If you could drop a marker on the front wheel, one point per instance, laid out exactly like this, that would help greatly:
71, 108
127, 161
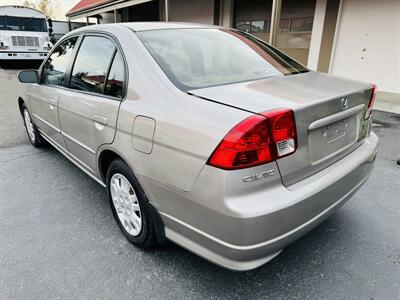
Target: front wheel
33, 134
130, 205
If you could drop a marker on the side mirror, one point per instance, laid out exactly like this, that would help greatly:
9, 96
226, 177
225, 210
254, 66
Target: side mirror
50, 30
28, 76
50, 22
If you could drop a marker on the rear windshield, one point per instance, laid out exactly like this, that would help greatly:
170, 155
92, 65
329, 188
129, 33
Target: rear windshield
199, 58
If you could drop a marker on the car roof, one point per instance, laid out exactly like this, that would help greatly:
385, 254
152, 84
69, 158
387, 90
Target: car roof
143, 26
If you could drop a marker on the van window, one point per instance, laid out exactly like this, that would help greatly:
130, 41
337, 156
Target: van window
23, 24
115, 81
3, 23
55, 68
91, 64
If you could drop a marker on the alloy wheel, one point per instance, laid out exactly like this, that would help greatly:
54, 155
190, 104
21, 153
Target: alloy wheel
29, 126
126, 204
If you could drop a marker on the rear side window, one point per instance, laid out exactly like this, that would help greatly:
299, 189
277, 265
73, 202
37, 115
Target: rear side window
55, 68
91, 65
115, 81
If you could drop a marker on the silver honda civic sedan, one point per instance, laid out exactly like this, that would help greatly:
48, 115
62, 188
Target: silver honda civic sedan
202, 135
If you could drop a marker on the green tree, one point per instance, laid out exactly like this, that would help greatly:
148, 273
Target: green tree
29, 4
45, 6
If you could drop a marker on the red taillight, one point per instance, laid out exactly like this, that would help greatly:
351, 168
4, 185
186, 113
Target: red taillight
257, 140
283, 131
371, 101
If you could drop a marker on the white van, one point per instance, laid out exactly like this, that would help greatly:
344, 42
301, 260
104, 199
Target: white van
23, 34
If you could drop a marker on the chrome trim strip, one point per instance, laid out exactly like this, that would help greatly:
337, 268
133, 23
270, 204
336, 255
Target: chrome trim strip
82, 163
71, 158
274, 240
47, 123
77, 142
336, 117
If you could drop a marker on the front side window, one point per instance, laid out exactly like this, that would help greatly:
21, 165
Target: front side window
198, 58
55, 68
115, 81
91, 64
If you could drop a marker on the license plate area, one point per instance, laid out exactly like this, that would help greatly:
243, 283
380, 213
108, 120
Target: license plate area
329, 140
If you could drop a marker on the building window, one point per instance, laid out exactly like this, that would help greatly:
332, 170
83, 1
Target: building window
295, 24
295, 28
301, 24
284, 25
253, 26
259, 26
244, 26
253, 17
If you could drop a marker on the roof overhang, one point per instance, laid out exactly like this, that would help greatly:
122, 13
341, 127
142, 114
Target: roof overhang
103, 8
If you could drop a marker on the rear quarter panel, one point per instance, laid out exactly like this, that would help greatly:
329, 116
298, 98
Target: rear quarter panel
187, 129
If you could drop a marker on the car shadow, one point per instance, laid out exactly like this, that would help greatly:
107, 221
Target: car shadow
308, 257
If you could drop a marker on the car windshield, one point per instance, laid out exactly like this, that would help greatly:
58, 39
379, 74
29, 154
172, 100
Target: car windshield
22, 24
199, 58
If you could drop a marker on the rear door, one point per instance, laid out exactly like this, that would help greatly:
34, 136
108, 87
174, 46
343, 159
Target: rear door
44, 96
88, 109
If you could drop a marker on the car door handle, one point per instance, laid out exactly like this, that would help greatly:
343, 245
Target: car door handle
52, 103
99, 122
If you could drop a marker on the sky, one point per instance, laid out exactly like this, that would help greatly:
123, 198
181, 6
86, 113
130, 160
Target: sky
60, 6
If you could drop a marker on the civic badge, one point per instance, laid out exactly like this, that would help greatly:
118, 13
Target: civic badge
259, 176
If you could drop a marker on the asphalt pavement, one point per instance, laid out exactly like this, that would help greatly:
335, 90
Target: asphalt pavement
58, 238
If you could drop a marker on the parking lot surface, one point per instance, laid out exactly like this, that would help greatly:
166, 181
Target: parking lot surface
58, 238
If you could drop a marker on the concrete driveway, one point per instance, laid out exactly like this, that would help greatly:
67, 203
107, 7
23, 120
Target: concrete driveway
58, 238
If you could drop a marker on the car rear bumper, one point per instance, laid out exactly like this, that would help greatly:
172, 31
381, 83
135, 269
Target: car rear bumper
248, 230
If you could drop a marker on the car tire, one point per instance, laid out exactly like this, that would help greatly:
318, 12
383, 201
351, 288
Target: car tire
33, 134
126, 196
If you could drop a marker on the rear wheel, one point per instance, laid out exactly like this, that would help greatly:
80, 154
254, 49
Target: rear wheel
33, 134
130, 205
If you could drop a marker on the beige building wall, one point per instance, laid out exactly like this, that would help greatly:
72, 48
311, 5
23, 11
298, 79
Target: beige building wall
328, 36
226, 17
195, 11
316, 34
367, 43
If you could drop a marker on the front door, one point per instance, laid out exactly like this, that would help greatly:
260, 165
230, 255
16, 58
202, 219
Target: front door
45, 95
88, 109
44, 100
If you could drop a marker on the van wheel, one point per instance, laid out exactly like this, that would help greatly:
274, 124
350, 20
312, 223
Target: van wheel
33, 134
130, 205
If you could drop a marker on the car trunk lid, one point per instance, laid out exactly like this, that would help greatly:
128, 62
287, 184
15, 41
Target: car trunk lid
329, 113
